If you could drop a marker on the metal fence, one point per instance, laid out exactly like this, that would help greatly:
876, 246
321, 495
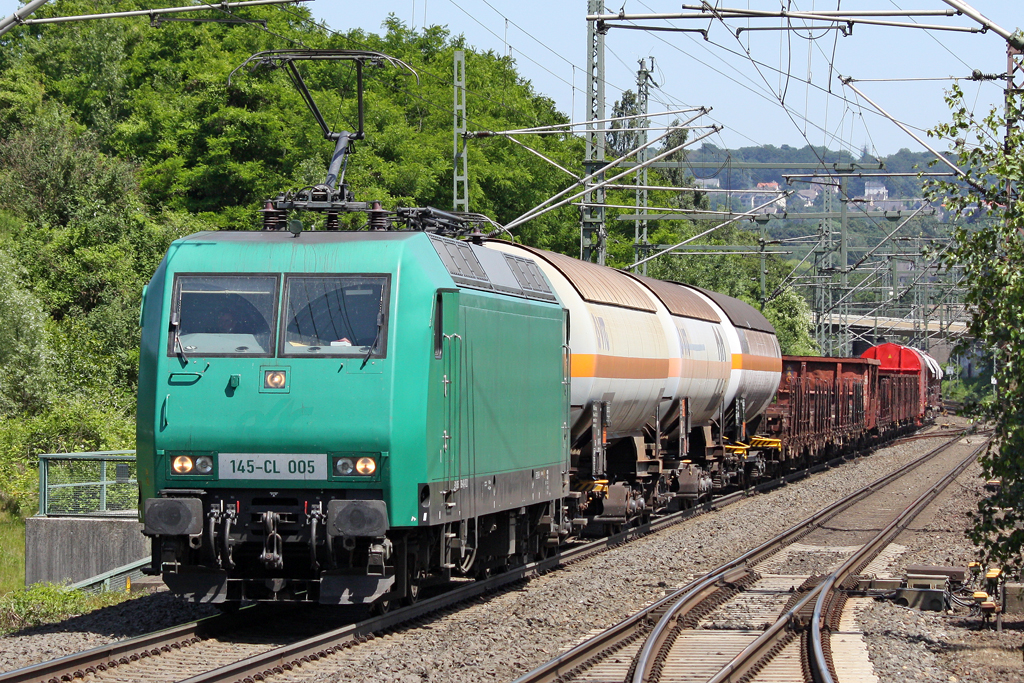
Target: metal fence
95, 483
118, 580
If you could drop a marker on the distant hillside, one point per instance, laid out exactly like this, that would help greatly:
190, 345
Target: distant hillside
730, 177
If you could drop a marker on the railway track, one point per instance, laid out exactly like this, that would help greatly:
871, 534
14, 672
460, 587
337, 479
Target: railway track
197, 643
766, 615
228, 648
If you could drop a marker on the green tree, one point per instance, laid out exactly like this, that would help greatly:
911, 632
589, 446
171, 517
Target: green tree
25, 355
620, 142
991, 254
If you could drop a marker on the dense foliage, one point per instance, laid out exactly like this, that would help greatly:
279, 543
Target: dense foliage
992, 257
118, 136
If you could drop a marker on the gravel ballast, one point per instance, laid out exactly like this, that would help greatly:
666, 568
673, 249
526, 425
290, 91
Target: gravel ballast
509, 634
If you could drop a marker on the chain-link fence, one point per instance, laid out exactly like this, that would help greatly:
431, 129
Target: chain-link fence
96, 483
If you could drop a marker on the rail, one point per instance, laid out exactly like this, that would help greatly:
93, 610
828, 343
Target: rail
275, 660
655, 622
776, 635
821, 665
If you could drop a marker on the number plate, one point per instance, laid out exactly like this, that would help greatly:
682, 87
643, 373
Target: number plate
301, 466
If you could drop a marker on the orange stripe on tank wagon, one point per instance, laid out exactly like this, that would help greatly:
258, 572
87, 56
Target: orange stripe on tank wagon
746, 361
617, 367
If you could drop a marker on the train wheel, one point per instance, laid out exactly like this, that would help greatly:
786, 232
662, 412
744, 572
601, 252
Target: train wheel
545, 551
413, 594
413, 597
383, 605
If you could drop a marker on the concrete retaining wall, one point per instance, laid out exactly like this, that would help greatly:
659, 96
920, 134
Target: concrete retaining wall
72, 549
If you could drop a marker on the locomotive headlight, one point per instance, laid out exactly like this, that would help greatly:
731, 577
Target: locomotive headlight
366, 466
344, 467
183, 464
275, 379
204, 464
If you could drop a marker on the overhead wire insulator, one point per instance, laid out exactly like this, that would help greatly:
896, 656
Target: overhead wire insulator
273, 219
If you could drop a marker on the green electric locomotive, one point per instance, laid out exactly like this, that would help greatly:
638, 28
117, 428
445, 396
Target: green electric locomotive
333, 416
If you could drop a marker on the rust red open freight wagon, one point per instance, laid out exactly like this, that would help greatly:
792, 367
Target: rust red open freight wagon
830, 405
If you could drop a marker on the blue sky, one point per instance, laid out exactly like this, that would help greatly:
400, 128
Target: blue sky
548, 42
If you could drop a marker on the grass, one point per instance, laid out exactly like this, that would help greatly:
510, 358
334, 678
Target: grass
12, 552
46, 603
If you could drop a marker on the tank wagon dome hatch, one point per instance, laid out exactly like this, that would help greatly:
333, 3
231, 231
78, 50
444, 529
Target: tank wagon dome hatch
740, 313
679, 300
475, 267
596, 284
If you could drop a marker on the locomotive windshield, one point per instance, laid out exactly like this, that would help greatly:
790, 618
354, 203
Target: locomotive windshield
335, 315
224, 315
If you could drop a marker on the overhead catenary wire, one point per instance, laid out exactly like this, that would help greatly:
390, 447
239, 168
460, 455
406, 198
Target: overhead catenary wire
734, 80
423, 70
530, 59
676, 188
933, 263
673, 209
779, 97
544, 207
572, 124
752, 212
941, 157
755, 90
545, 158
151, 12
613, 164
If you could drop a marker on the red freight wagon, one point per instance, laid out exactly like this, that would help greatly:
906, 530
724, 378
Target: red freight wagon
822, 404
911, 380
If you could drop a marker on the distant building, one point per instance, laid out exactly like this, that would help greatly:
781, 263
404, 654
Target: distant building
768, 192
707, 183
875, 191
809, 196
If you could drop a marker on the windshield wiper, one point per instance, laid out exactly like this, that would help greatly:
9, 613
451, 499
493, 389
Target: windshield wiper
176, 324
369, 352
179, 347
